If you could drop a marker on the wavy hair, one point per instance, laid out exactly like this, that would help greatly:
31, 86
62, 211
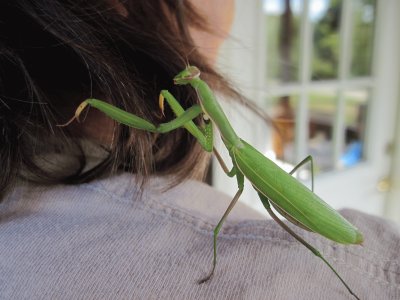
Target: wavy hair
56, 53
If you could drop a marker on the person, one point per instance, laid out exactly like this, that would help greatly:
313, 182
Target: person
95, 210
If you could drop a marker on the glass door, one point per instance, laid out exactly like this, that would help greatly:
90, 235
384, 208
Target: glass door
321, 69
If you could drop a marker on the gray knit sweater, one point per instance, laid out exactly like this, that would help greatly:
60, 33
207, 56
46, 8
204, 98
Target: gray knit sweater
104, 240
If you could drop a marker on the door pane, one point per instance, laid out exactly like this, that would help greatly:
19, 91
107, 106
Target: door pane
283, 111
283, 31
322, 106
325, 19
363, 32
355, 121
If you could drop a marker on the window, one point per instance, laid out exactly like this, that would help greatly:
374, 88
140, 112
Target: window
318, 79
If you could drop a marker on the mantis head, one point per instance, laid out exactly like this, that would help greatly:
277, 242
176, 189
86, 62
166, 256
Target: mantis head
184, 77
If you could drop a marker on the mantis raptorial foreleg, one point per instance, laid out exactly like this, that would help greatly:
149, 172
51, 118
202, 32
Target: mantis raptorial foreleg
266, 204
203, 135
181, 120
114, 113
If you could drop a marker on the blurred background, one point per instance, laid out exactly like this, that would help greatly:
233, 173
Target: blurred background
328, 73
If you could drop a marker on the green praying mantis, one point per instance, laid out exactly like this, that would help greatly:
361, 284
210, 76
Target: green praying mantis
275, 187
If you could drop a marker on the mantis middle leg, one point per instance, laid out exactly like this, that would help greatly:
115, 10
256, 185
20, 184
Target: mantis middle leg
240, 182
206, 135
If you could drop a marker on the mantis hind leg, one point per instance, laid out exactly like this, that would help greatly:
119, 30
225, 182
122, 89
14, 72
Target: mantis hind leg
266, 204
284, 213
240, 181
303, 162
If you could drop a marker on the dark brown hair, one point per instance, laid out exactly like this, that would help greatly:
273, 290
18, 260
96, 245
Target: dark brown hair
56, 53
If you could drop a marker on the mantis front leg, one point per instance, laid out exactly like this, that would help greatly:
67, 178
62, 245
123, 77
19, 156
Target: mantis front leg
185, 119
114, 113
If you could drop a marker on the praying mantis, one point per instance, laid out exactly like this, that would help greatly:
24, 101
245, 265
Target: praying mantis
275, 188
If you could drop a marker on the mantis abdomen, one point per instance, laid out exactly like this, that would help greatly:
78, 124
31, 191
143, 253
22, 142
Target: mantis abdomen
290, 195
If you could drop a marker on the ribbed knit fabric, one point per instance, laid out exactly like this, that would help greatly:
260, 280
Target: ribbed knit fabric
104, 241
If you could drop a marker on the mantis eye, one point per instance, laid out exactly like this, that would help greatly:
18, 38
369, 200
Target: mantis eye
194, 72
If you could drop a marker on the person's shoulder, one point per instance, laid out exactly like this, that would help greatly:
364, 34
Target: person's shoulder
156, 242
203, 201
380, 235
